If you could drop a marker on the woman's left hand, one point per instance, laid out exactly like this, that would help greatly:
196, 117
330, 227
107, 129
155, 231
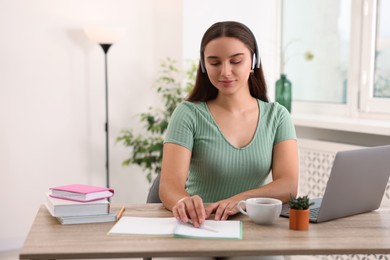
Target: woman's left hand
223, 208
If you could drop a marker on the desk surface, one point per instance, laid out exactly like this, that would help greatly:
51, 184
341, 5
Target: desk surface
367, 233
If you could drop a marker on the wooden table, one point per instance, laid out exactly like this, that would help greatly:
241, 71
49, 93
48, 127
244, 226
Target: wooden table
361, 234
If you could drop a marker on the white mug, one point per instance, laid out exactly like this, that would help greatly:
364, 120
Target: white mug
262, 211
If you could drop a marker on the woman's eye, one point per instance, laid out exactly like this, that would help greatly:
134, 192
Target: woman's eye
217, 63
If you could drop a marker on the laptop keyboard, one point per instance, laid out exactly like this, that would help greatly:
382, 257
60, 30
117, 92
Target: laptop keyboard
314, 213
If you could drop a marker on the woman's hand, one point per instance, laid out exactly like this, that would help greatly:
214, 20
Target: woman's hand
190, 208
223, 208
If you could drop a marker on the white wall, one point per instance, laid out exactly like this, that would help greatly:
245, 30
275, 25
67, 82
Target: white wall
52, 97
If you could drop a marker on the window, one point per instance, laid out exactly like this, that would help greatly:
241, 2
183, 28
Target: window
322, 30
376, 57
382, 52
349, 74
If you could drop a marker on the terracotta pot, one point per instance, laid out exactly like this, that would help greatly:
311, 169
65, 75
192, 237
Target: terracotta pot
299, 219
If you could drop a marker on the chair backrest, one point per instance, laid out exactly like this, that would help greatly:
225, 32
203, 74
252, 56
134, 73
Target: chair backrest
153, 196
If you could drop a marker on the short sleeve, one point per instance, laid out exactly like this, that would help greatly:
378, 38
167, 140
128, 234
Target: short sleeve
181, 126
284, 128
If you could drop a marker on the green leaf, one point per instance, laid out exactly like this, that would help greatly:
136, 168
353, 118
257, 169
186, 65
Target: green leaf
146, 149
300, 203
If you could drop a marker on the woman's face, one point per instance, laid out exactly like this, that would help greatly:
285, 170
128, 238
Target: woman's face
228, 64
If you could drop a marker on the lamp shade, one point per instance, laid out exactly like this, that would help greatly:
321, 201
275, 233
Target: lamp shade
105, 35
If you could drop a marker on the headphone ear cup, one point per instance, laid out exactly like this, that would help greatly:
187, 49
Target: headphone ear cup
254, 61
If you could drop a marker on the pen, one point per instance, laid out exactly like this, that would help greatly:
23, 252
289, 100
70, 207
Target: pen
205, 227
120, 213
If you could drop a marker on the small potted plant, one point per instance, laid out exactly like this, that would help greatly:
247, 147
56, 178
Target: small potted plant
299, 212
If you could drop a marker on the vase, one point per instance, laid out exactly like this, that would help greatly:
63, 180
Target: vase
283, 92
299, 219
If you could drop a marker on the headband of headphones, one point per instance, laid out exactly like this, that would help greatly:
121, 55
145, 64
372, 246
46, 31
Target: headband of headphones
256, 61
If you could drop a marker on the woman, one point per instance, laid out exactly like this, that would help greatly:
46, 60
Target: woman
223, 142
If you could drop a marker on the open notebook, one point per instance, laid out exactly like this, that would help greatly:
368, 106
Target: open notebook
170, 227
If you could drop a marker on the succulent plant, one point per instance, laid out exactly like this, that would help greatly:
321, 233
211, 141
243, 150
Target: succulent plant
300, 203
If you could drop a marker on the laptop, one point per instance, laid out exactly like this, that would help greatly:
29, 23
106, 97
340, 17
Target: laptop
356, 184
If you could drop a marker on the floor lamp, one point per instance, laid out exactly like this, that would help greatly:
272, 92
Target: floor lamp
105, 37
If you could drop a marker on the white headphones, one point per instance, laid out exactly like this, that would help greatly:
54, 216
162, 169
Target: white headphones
255, 59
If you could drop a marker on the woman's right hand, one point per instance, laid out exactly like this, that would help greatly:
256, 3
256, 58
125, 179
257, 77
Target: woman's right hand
190, 208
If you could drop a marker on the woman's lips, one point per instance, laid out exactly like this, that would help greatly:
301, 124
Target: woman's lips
226, 82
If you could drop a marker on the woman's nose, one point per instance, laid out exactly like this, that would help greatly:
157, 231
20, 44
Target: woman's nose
226, 69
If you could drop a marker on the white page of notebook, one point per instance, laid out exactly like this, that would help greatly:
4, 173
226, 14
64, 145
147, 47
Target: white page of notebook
144, 226
149, 226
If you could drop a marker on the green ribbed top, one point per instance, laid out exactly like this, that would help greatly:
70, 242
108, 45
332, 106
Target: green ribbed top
219, 170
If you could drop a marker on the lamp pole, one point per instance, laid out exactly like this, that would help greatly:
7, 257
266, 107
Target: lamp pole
106, 47
105, 37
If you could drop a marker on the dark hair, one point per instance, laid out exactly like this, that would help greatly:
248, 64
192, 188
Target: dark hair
204, 89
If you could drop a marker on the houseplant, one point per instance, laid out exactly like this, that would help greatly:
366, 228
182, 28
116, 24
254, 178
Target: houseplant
299, 212
146, 147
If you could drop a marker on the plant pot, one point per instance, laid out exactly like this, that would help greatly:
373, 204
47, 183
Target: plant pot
299, 219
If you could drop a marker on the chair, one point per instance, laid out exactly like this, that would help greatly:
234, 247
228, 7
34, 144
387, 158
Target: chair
153, 196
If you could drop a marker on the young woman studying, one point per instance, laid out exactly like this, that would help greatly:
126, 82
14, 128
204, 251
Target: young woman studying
226, 138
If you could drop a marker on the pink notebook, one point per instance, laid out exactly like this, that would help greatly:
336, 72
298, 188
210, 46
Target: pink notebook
81, 192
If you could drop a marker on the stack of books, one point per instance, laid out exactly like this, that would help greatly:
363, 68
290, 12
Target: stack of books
79, 204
